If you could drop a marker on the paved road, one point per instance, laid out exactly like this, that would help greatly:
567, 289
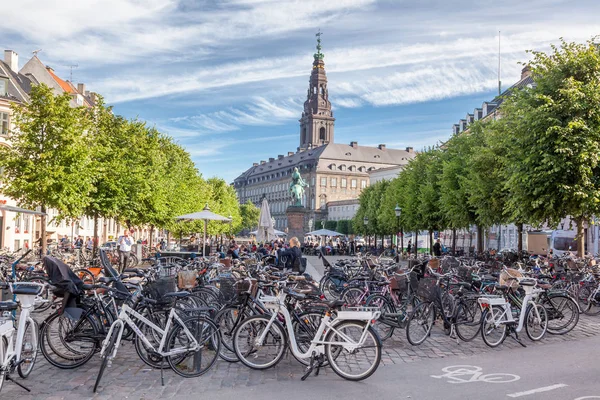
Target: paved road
571, 359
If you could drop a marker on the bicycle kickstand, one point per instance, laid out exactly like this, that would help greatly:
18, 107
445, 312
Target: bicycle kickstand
309, 369
516, 338
8, 378
162, 369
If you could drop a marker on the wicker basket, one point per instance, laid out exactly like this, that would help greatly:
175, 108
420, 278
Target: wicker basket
434, 264
427, 289
187, 279
506, 275
399, 283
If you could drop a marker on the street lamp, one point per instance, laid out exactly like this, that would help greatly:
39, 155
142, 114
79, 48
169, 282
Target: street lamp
230, 226
366, 222
398, 212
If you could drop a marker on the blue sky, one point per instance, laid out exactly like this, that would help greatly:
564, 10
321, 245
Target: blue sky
228, 78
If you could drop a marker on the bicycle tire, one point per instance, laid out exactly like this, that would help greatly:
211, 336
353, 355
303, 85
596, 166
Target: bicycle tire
531, 323
85, 275
329, 288
206, 332
56, 356
468, 321
24, 369
336, 354
4, 344
487, 326
245, 332
306, 331
353, 296
226, 321
421, 320
557, 306
384, 330
106, 357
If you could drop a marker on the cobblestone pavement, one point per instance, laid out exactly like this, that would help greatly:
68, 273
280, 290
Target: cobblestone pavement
130, 378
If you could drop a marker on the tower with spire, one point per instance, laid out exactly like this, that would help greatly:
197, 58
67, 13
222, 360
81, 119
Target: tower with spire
317, 122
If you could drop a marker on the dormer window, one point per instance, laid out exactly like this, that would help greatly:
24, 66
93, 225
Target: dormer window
3, 86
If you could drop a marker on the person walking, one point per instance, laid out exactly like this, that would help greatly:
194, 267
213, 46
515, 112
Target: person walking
125, 242
409, 247
437, 248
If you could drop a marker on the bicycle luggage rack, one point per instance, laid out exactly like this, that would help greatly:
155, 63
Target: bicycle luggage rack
492, 300
360, 313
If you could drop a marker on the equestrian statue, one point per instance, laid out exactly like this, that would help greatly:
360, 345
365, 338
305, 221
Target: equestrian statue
297, 187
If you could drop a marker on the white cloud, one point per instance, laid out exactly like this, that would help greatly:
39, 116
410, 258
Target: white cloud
347, 102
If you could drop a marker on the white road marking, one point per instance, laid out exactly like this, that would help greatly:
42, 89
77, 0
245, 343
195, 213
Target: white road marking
538, 390
472, 373
587, 397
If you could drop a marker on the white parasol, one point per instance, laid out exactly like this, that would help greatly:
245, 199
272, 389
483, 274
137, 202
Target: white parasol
265, 232
205, 215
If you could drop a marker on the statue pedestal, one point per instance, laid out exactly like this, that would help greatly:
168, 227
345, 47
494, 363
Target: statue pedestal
297, 218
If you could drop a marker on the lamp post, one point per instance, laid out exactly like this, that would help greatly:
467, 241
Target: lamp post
398, 212
366, 222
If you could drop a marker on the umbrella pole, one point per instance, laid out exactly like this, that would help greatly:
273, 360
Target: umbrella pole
204, 241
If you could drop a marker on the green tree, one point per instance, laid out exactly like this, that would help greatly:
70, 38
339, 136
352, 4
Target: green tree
249, 214
555, 139
48, 163
331, 225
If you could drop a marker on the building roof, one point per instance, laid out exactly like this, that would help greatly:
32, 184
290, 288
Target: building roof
64, 85
332, 151
349, 202
19, 85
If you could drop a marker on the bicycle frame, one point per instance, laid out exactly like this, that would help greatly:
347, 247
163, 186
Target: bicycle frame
125, 319
277, 305
506, 317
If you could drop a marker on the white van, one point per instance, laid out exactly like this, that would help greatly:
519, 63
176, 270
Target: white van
563, 241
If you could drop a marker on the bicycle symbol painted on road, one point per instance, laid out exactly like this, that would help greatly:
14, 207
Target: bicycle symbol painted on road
471, 373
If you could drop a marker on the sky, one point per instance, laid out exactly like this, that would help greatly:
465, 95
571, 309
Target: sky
227, 79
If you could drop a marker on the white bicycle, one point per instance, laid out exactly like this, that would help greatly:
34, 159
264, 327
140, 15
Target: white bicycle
497, 319
347, 341
18, 347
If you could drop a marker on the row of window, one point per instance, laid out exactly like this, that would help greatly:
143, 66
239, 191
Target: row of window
343, 208
343, 183
352, 168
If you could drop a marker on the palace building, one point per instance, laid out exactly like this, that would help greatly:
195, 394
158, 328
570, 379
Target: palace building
334, 171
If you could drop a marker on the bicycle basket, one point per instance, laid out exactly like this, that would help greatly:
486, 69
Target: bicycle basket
505, 278
448, 263
465, 274
246, 286
427, 289
399, 283
158, 288
434, 264
226, 285
187, 279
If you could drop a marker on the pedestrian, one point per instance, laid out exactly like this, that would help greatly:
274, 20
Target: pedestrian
125, 242
293, 254
437, 248
78, 242
89, 244
409, 247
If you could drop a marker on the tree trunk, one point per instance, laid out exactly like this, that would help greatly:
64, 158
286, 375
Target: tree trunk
401, 241
416, 246
95, 239
479, 239
430, 242
150, 242
499, 242
43, 241
520, 238
454, 241
580, 238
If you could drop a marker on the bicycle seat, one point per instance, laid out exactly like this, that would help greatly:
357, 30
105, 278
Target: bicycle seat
464, 285
106, 279
500, 287
527, 282
26, 289
8, 306
545, 286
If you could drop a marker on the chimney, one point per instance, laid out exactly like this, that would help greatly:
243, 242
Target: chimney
409, 149
525, 72
262, 162
381, 147
255, 164
280, 156
290, 153
271, 159
81, 88
12, 59
93, 96
354, 144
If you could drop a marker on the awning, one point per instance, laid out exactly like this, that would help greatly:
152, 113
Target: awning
19, 210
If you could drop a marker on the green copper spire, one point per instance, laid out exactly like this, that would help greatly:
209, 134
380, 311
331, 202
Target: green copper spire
318, 54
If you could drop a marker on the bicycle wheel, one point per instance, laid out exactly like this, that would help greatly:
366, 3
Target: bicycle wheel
330, 288
110, 347
259, 355
493, 335
593, 300
305, 330
4, 344
383, 325
29, 348
226, 321
356, 364
146, 353
536, 325
193, 363
85, 275
563, 314
353, 296
66, 343
468, 320
448, 304
420, 323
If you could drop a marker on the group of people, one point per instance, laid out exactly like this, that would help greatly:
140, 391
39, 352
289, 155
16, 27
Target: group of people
291, 252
